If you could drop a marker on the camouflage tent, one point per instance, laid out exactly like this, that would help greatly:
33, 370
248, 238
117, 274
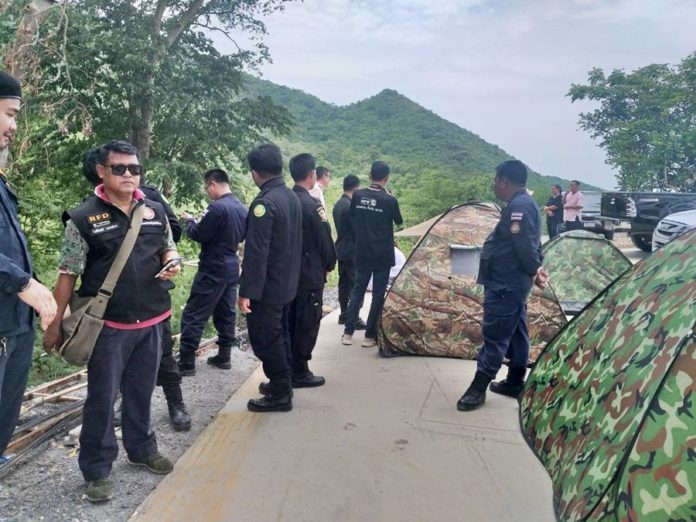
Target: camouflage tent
609, 406
581, 264
434, 306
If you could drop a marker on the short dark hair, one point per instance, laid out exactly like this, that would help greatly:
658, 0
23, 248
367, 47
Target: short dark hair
350, 182
301, 165
558, 187
89, 166
266, 160
379, 171
117, 146
514, 171
322, 171
217, 175
576, 182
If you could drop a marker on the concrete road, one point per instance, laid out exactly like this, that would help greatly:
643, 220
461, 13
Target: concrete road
381, 441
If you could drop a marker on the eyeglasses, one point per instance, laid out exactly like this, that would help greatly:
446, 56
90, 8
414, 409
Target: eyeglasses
120, 170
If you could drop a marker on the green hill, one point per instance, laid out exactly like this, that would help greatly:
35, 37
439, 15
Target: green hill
435, 163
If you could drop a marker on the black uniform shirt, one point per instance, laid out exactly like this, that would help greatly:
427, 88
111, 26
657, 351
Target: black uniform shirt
512, 254
373, 214
273, 246
155, 195
219, 232
318, 254
557, 215
345, 238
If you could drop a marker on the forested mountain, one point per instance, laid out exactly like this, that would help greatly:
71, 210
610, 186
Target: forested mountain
435, 162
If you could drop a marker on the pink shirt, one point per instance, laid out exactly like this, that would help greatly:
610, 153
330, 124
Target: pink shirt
574, 200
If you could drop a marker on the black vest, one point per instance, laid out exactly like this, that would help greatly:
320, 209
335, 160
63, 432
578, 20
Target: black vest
138, 295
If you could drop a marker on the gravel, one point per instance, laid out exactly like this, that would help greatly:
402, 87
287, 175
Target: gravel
49, 486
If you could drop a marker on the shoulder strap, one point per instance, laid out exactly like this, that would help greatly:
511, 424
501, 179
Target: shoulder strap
98, 306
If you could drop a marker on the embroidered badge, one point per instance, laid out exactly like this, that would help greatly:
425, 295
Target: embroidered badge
322, 214
516, 216
515, 228
98, 218
148, 213
259, 210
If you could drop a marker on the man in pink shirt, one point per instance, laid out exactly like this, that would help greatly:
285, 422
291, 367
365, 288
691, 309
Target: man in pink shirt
572, 207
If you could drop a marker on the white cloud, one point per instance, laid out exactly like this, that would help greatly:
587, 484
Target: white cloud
500, 68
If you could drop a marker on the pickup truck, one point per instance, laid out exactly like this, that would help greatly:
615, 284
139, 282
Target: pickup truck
640, 212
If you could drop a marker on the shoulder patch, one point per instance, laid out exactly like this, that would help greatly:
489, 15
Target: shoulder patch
515, 227
259, 210
148, 213
516, 216
322, 214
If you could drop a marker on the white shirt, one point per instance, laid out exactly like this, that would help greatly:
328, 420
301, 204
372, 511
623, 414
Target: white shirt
318, 193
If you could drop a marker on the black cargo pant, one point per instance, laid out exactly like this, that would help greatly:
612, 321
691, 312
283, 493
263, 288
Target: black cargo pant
128, 359
168, 376
270, 339
346, 280
208, 297
304, 318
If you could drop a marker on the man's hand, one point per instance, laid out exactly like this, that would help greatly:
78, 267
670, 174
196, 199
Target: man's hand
244, 305
171, 272
52, 337
541, 279
40, 299
185, 215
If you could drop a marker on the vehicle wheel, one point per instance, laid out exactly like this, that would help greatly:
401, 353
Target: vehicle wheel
609, 235
641, 242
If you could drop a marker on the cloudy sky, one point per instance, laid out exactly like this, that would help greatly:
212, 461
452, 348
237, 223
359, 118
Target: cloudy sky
499, 68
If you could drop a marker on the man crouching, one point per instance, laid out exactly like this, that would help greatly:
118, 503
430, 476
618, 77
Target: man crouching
127, 352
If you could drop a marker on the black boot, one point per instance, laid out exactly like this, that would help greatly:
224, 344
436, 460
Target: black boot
222, 359
187, 364
475, 396
512, 385
303, 378
179, 415
280, 398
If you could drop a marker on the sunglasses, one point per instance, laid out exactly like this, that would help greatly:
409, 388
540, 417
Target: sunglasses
120, 170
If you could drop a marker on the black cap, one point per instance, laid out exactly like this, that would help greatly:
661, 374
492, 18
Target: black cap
9, 87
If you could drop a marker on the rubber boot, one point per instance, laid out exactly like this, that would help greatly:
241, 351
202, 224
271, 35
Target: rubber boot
178, 414
475, 396
222, 359
512, 385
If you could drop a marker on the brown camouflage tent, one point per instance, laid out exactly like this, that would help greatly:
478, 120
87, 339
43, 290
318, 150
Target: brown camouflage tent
581, 264
435, 307
609, 407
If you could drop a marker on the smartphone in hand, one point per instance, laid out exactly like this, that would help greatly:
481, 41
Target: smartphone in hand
174, 261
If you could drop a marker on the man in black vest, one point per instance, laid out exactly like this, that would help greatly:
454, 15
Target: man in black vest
270, 273
127, 352
345, 248
318, 259
168, 376
19, 291
214, 289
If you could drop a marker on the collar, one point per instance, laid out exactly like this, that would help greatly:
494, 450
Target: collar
298, 188
99, 192
345, 196
275, 181
377, 186
523, 190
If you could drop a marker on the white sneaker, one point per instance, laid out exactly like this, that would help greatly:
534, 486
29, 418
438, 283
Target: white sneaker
369, 342
347, 339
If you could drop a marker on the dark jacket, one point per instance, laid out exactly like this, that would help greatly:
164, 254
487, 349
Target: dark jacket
138, 295
155, 195
318, 254
219, 232
345, 238
512, 254
273, 245
16, 316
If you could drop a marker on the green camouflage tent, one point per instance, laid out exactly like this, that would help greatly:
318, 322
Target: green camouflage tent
434, 306
581, 264
609, 406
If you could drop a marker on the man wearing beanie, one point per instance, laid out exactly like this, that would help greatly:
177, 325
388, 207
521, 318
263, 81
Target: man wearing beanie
19, 291
510, 265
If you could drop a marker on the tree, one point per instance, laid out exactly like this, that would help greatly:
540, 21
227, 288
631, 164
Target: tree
645, 123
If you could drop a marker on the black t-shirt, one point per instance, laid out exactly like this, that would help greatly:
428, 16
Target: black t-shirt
373, 214
558, 213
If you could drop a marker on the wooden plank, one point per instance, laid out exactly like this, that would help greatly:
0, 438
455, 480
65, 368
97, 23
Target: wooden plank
52, 386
